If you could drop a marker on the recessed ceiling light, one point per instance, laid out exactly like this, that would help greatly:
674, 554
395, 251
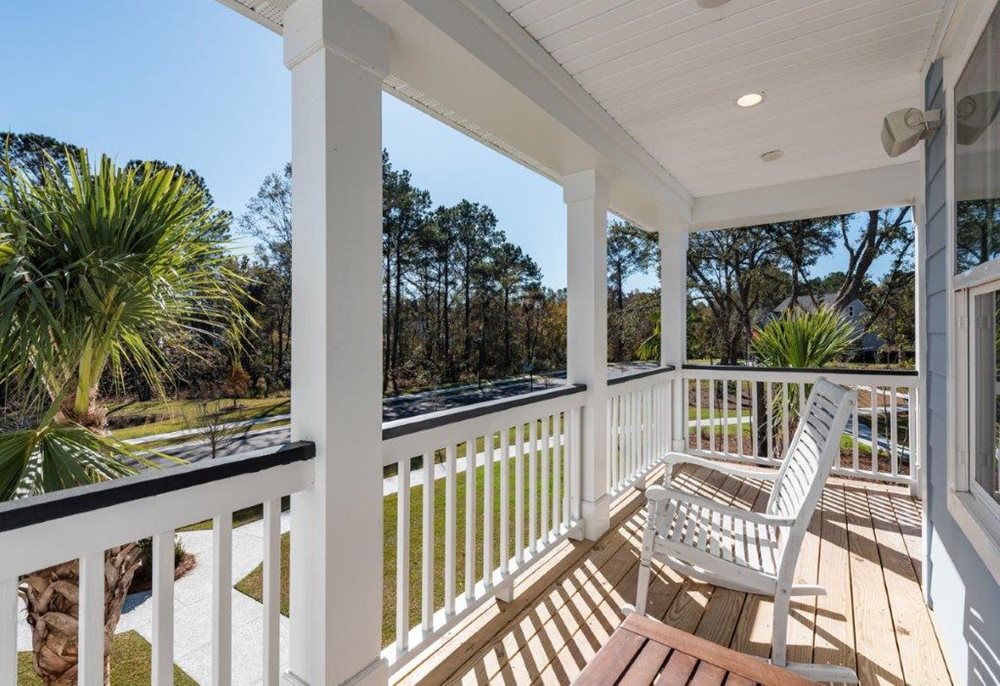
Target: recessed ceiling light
750, 99
711, 4
772, 155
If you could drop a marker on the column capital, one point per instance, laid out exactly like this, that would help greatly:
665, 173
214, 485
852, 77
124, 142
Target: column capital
589, 184
339, 26
673, 238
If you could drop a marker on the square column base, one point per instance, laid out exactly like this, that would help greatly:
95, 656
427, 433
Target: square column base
679, 445
596, 518
375, 674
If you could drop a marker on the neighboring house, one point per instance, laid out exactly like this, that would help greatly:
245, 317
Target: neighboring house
856, 312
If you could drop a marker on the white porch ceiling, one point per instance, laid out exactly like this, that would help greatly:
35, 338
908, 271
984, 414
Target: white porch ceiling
669, 71
646, 90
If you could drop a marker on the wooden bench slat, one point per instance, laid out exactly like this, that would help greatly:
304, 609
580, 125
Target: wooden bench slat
643, 650
646, 665
708, 674
615, 657
677, 670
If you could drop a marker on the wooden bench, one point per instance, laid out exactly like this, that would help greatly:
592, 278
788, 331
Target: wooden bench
643, 651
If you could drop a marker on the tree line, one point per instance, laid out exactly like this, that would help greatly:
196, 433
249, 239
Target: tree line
462, 303
737, 278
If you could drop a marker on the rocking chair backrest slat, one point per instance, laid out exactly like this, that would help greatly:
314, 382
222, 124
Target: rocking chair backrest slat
811, 455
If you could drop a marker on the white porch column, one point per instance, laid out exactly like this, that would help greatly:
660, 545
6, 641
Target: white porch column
338, 55
673, 323
586, 196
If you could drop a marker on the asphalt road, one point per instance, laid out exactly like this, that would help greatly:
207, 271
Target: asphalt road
394, 407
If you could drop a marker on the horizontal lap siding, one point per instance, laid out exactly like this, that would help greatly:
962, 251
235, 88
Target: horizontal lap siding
964, 595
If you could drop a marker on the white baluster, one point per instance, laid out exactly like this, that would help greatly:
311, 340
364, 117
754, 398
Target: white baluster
725, 416
450, 530
222, 600
545, 495
610, 440
402, 555
697, 412
470, 519
557, 451
567, 442
739, 417
272, 592
162, 665
769, 411
856, 435
574, 462
533, 486
519, 494
91, 621
873, 401
894, 429
488, 453
504, 501
786, 404
427, 564
711, 415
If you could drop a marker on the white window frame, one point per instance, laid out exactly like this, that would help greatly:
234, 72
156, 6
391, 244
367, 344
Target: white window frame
976, 513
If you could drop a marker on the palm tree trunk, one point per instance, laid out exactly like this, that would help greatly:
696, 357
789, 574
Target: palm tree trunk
52, 598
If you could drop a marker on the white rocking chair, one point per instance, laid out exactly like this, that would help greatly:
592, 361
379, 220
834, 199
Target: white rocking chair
754, 552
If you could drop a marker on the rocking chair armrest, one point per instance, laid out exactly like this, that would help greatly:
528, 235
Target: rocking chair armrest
659, 494
721, 467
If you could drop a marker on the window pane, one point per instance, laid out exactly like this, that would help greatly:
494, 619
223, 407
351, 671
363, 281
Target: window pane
987, 397
977, 157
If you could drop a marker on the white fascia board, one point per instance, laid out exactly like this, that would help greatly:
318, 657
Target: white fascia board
889, 186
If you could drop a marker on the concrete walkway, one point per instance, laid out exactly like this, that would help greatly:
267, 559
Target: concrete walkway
193, 613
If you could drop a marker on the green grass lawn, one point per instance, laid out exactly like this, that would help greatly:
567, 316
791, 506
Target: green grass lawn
251, 584
130, 664
247, 515
173, 415
708, 414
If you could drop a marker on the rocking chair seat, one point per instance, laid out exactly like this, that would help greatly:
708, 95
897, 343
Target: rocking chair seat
695, 534
716, 543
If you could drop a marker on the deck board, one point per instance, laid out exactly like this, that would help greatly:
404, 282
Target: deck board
876, 645
863, 546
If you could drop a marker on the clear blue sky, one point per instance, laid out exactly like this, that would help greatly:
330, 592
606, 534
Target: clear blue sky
197, 84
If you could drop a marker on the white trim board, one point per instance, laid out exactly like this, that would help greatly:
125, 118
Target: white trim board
888, 186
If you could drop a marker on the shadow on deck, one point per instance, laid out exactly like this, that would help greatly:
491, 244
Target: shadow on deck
863, 546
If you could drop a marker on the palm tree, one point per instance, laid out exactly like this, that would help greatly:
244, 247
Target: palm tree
99, 267
649, 349
804, 339
801, 339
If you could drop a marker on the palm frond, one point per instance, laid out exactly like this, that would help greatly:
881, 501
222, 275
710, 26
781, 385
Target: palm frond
54, 457
97, 265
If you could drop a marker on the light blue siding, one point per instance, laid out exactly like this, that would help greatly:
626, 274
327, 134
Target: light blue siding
964, 595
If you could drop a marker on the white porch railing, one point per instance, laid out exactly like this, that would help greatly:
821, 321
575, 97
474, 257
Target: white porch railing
481, 493
638, 412
510, 474
82, 523
743, 413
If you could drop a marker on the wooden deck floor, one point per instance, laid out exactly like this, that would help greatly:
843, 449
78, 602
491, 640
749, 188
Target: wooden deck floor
863, 547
